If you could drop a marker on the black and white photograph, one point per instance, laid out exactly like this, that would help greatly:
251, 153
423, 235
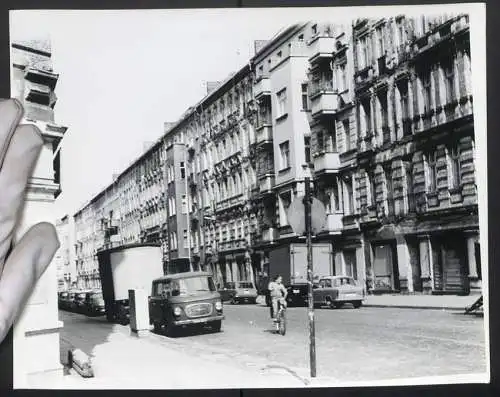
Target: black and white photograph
256, 198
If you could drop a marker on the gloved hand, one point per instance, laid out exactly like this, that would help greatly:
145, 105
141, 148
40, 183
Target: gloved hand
22, 264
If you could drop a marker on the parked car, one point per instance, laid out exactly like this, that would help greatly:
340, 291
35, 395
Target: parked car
245, 291
335, 291
228, 291
185, 299
93, 304
63, 301
297, 295
79, 301
71, 301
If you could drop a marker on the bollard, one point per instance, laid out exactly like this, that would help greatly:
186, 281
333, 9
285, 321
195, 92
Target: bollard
81, 362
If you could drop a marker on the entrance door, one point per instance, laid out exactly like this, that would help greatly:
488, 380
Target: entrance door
350, 264
383, 267
450, 265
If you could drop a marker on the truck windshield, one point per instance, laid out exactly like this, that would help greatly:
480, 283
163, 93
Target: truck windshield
192, 284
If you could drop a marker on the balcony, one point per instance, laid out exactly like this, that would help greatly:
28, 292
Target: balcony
43, 76
326, 162
334, 224
321, 48
350, 222
262, 87
233, 245
266, 183
270, 235
325, 102
264, 132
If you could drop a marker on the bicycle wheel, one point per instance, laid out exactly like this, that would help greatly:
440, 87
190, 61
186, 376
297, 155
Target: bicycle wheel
282, 323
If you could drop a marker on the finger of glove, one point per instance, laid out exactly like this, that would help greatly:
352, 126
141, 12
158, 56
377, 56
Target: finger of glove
27, 262
11, 113
18, 164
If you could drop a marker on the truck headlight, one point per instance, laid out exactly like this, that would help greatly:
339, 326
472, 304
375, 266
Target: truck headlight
177, 311
218, 305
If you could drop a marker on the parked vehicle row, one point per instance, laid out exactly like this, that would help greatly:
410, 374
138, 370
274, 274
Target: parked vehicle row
330, 291
88, 302
239, 292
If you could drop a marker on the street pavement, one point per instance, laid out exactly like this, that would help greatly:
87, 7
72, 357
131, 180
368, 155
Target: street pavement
366, 344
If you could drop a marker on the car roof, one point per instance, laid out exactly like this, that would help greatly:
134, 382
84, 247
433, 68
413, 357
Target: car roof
178, 276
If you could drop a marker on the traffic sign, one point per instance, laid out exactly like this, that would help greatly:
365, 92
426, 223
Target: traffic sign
296, 216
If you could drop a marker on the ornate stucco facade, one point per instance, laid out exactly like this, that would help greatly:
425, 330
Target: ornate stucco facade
378, 112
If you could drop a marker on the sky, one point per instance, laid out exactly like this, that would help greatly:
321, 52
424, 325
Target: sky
124, 73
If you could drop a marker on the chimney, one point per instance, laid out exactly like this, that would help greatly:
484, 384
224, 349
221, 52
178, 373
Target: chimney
212, 85
259, 45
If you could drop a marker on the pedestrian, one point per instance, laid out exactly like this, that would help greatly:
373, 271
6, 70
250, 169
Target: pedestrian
22, 262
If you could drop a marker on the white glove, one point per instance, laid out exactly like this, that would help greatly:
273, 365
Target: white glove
21, 266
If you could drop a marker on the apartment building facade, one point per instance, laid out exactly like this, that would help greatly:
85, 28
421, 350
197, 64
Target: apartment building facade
377, 112
33, 83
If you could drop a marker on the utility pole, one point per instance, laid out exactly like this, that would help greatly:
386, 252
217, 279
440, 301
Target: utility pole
312, 337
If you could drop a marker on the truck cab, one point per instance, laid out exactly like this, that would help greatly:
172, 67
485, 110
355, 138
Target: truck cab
185, 299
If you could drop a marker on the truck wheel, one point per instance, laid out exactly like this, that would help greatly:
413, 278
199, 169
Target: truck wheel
156, 327
172, 331
217, 325
357, 304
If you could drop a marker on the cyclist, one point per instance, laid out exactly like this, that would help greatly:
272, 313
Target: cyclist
277, 291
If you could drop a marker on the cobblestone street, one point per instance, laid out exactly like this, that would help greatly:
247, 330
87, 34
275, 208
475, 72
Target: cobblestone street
352, 345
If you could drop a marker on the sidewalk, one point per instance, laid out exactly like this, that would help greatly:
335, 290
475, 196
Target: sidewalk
435, 302
125, 361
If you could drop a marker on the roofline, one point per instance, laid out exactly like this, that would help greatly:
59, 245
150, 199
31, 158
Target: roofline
206, 100
281, 36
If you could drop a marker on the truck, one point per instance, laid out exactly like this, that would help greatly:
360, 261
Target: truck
290, 261
132, 266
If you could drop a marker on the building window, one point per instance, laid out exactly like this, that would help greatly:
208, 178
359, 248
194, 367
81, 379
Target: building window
185, 238
301, 37
285, 200
307, 145
343, 77
380, 41
305, 99
183, 170
285, 155
363, 53
314, 29
347, 134
432, 172
456, 174
184, 204
426, 84
449, 79
372, 187
350, 196
281, 96
389, 190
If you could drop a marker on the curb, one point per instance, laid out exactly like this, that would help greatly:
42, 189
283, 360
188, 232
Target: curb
414, 307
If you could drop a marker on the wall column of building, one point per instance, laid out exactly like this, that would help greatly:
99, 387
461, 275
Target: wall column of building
235, 272
471, 239
404, 265
392, 92
398, 129
361, 263
372, 120
425, 263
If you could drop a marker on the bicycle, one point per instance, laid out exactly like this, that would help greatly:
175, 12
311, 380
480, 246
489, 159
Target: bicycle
280, 321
